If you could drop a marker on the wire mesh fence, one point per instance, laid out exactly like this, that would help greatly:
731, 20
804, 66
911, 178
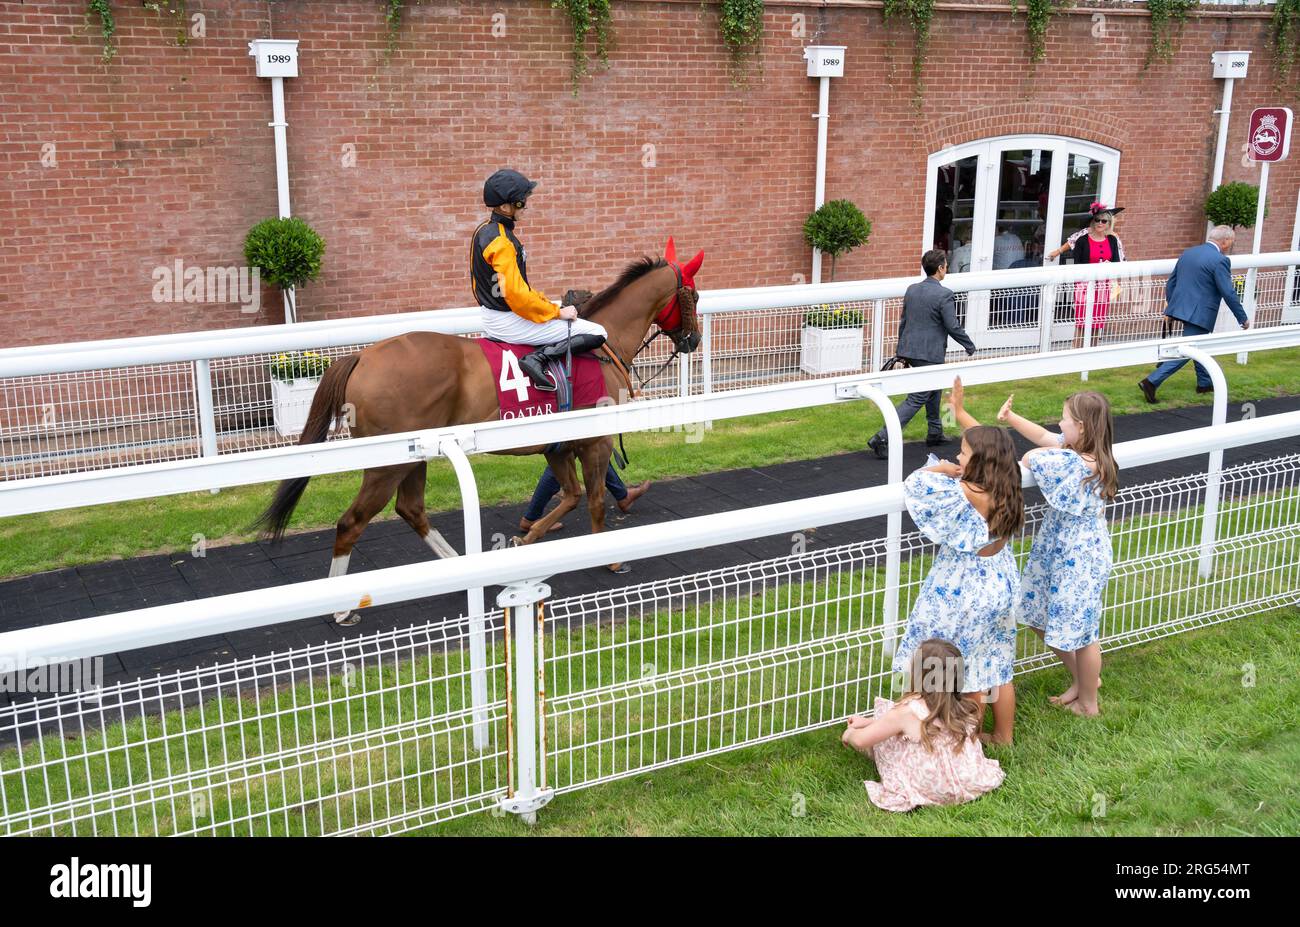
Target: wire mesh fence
369, 736
376, 735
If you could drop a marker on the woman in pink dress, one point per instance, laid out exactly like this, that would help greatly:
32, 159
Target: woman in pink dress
925, 747
1098, 246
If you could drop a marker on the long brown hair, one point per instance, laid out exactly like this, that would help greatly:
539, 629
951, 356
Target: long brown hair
936, 680
1092, 411
993, 468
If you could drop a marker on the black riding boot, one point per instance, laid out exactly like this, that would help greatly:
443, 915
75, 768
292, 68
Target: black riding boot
534, 362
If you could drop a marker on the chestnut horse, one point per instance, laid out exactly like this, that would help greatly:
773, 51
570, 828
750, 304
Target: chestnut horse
424, 380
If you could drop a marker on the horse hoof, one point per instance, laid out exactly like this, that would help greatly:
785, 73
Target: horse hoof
347, 619
620, 568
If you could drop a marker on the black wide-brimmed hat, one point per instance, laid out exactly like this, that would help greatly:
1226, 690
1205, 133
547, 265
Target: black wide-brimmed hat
507, 186
1098, 208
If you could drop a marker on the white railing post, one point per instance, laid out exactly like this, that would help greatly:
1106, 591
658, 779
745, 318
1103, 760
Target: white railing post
1288, 305
525, 699
206, 416
1210, 513
1087, 321
877, 334
684, 375
1046, 316
706, 356
475, 609
893, 520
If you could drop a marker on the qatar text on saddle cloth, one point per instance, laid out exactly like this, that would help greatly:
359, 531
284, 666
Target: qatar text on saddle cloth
520, 398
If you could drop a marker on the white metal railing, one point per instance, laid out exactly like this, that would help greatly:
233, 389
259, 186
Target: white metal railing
125, 402
379, 734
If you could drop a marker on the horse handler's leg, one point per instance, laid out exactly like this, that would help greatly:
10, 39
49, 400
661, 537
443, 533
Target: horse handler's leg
562, 466
377, 487
595, 461
410, 505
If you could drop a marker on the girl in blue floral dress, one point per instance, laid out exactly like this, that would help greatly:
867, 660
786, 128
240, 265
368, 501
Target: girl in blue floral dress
1064, 580
970, 509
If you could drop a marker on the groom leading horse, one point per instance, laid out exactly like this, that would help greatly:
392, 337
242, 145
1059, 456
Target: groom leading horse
424, 380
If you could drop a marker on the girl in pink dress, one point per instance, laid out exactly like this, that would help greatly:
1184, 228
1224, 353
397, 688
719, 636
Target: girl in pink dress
925, 747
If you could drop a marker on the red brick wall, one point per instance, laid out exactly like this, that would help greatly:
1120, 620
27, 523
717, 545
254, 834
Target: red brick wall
165, 152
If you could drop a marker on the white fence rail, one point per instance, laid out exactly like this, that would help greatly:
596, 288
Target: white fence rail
410, 727
125, 402
378, 735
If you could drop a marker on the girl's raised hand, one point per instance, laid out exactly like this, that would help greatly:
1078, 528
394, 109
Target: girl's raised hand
958, 395
1004, 414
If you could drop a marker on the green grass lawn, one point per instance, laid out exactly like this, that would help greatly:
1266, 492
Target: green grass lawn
34, 543
1181, 747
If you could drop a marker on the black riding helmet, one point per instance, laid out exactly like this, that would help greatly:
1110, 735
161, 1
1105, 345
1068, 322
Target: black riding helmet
507, 186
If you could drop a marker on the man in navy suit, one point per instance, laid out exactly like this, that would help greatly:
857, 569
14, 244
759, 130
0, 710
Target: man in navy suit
1200, 279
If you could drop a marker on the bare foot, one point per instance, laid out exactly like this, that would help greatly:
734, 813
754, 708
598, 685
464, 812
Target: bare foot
1069, 695
1066, 697
1085, 711
987, 738
633, 493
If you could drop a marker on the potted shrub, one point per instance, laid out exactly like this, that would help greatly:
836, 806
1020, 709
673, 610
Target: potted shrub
1234, 205
831, 340
294, 378
836, 228
287, 252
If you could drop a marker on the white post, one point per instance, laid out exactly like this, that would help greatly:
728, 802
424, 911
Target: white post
877, 334
684, 376
706, 359
1210, 513
1289, 287
1225, 113
1087, 321
207, 418
894, 520
279, 125
822, 116
522, 603
1251, 275
475, 609
1046, 315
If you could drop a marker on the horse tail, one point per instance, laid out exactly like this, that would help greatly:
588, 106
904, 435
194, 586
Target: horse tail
326, 406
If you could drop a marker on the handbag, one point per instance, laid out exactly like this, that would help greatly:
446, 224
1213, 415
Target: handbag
895, 361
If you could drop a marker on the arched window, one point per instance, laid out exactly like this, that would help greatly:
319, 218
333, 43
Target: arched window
1003, 203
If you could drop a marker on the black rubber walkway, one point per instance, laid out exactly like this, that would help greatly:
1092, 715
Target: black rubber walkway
114, 586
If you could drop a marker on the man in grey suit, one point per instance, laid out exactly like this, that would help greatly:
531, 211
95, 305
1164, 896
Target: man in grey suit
1200, 279
929, 317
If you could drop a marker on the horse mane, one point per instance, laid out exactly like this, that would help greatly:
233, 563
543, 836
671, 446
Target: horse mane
634, 271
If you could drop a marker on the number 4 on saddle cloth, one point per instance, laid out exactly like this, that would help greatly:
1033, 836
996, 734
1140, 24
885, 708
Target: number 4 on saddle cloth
518, 397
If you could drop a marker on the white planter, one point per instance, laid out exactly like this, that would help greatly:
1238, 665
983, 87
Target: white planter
291, 400
830, 350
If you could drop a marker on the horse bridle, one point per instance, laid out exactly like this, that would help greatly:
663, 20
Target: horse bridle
660, 318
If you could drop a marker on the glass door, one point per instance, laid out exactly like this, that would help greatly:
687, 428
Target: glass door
1001, 204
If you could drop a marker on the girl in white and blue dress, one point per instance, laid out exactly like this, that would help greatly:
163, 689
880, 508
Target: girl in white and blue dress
970, 509
1064, 580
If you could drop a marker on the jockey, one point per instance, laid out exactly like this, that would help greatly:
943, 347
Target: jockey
511, 310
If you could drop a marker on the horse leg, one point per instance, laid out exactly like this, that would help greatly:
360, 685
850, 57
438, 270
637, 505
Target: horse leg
562, 466
377, 487
410, 505
595, 461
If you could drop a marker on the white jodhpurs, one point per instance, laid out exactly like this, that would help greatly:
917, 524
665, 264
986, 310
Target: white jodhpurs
515, 329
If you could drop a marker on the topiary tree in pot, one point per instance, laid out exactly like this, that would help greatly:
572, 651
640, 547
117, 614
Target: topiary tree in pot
1234, 204
836, 228
287, 252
